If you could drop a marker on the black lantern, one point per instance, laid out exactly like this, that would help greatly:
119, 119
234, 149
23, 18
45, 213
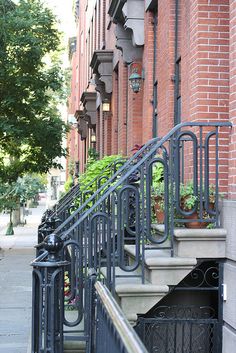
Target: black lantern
135, 81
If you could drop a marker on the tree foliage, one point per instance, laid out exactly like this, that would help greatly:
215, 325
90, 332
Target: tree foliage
25, 188
31, 84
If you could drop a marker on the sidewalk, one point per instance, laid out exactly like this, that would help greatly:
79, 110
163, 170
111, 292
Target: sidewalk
16, 253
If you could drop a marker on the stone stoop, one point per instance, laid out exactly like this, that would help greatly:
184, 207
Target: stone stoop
139, 298
74, 347
71, 344
133, 296
200, 243
161, 268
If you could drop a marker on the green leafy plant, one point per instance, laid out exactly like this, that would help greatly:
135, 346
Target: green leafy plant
68, 184
157, 175
88, 180
94, 170
188, 199
158, 192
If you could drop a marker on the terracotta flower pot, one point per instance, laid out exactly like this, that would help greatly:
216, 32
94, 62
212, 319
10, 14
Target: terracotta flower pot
195, 224
159, 212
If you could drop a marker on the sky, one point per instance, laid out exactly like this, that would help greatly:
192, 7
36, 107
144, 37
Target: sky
64, 11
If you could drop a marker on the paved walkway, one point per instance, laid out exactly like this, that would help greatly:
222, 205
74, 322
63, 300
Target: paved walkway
16, 253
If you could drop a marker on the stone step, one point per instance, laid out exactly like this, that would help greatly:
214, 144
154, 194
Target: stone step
72, 344
200, 243
134, 297
161, 268
74, 347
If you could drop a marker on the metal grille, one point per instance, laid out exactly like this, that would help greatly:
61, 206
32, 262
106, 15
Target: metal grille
179, 336
181, 329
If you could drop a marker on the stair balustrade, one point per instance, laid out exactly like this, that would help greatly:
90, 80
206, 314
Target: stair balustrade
120, 213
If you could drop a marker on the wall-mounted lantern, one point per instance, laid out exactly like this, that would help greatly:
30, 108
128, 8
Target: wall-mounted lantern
106, 107
135, 80
93, 138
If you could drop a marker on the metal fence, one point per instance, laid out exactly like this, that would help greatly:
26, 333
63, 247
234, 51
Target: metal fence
180, 328
121, 210
179, 335
113, 331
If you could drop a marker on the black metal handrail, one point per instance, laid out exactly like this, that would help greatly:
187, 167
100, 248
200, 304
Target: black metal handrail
65, 208
121, 210
91, 199
65, 197
130, 167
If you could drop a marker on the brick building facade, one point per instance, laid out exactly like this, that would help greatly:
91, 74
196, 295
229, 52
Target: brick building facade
185, 52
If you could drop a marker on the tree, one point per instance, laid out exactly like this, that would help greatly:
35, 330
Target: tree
16, 193
31, 86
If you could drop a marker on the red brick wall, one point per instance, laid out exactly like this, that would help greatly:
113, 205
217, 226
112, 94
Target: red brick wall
209, 60
148, 62
165, 66
122, 109
208, 74
203, 44
232, 105
114, 115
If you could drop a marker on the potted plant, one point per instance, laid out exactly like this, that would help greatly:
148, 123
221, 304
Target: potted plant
212, 198
158, 189
189, 202
158, 202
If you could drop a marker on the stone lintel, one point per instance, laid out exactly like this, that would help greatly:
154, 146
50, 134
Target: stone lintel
100, 87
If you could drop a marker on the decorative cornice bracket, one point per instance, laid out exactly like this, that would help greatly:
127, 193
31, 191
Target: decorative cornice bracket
81, 124
101, 64
88, 100
133, 12
124, 43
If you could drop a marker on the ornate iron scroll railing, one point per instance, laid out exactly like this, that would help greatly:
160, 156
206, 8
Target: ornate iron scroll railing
89, 199
104, 324
66, 206
121, 210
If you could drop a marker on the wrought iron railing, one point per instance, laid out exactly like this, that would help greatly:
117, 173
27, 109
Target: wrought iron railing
193, 324
66, 205
180, 334
121, 211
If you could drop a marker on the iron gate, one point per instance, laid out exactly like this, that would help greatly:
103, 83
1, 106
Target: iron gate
179, 335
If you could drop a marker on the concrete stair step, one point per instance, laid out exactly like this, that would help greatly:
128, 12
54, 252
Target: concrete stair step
72, 344
200, 243
133, 296
161, 268
74, 347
